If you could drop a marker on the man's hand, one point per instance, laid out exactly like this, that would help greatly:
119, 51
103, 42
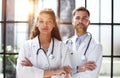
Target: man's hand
87, 66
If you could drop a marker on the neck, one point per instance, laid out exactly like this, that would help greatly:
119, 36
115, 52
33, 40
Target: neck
45, 41
80, 32
45, 38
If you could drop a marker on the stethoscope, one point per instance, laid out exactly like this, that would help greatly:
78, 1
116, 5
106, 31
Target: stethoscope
51, 56
69, 42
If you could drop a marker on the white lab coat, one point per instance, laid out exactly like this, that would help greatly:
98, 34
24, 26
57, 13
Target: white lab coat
42, 61
94, 53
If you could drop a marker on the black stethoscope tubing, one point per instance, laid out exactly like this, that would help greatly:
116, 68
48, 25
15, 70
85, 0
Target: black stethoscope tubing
43, 49
70, 41
45, 52
88, 44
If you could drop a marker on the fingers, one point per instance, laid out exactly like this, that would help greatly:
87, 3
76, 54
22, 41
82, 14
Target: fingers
87, 66
59, 71
66, 76
90, 66
68, 70
26, 62
23, 63
81, 69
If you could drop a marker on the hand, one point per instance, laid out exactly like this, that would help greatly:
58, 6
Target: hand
26, 62
68, 70
59, 71
87, 66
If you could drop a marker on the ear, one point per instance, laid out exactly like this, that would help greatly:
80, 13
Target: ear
89, 22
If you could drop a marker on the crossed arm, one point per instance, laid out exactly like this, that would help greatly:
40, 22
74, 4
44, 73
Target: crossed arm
66, 70
90, 65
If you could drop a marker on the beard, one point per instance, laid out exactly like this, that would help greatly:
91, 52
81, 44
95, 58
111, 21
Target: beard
80, 27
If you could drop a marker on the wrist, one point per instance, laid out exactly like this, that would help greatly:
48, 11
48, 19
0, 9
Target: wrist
77, 69
53, 72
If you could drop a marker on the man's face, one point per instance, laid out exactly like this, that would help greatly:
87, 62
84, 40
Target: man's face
81, 20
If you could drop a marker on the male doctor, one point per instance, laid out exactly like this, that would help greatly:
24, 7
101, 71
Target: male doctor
86, 56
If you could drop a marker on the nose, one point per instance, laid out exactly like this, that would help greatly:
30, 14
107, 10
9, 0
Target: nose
80, 20
45, 23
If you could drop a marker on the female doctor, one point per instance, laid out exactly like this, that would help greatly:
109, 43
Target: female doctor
86, 57
44, 55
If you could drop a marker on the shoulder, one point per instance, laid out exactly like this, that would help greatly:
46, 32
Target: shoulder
96, 42
29, 42
63, 47
60, 44
26, 45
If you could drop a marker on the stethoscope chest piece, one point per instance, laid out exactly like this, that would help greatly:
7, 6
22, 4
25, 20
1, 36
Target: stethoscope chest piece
51, 56
83, 57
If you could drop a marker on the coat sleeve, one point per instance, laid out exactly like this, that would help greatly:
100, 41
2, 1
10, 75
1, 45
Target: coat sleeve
96, 56
65, 55
26, 71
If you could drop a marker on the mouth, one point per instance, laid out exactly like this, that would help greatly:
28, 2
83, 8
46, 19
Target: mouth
79, 24
44, 28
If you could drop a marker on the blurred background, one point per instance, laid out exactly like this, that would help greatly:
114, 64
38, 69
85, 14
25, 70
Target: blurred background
17, 17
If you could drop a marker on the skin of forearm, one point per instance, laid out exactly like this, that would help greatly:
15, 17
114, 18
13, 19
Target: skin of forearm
49, 73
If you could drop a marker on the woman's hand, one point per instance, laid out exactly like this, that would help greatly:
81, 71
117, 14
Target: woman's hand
26, 62
87, 66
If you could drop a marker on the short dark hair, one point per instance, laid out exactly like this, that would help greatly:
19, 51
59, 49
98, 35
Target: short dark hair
80, 9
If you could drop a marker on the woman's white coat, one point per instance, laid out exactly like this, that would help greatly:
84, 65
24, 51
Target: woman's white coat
42, 61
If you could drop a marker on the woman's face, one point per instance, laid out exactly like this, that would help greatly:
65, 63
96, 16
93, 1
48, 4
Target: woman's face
45, 23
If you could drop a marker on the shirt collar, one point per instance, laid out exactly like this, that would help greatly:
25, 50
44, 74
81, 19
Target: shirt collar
82, 37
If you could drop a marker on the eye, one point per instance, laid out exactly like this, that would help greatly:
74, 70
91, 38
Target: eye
49, 21
85, 18
77, 18
40, 21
